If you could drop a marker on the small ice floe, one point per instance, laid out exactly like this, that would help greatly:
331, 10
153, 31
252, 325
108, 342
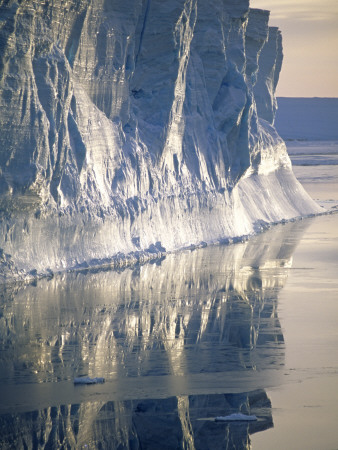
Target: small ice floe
239, 417
88, 380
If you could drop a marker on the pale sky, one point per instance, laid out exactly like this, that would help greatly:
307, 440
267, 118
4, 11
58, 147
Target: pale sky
310, 42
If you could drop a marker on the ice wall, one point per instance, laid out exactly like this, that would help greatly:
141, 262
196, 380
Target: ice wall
132, 125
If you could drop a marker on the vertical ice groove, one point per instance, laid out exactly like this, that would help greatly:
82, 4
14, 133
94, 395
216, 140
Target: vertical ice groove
183, 34
142, 29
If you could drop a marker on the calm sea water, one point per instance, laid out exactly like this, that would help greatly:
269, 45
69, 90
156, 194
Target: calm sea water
247, 328
304, 406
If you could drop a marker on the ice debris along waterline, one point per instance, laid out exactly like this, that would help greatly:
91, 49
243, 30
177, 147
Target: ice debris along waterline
88, 380
135, 123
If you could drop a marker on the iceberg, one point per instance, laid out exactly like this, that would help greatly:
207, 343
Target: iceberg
136, 125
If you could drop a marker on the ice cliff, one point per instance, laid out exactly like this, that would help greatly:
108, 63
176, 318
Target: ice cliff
136, 125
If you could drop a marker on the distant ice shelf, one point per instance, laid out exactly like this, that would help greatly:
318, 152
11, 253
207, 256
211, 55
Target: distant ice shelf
307, 119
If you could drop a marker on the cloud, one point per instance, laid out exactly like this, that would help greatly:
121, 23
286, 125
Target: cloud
310, 42
304, 10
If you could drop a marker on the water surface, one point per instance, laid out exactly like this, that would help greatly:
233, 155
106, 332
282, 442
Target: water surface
304, 405
179, 342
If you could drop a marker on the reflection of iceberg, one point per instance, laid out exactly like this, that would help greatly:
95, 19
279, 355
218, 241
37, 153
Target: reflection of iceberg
154, 319
183, 422
199, 322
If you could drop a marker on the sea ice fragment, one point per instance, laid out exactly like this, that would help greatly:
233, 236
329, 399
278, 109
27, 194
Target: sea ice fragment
88, 380
235, 417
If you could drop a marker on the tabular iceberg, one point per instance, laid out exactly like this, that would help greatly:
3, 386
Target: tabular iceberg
131, 127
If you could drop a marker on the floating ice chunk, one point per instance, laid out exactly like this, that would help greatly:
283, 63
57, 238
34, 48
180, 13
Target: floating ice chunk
88, 380
235, 417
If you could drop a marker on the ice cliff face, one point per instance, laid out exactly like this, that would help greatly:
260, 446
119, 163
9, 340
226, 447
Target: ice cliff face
130, 123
